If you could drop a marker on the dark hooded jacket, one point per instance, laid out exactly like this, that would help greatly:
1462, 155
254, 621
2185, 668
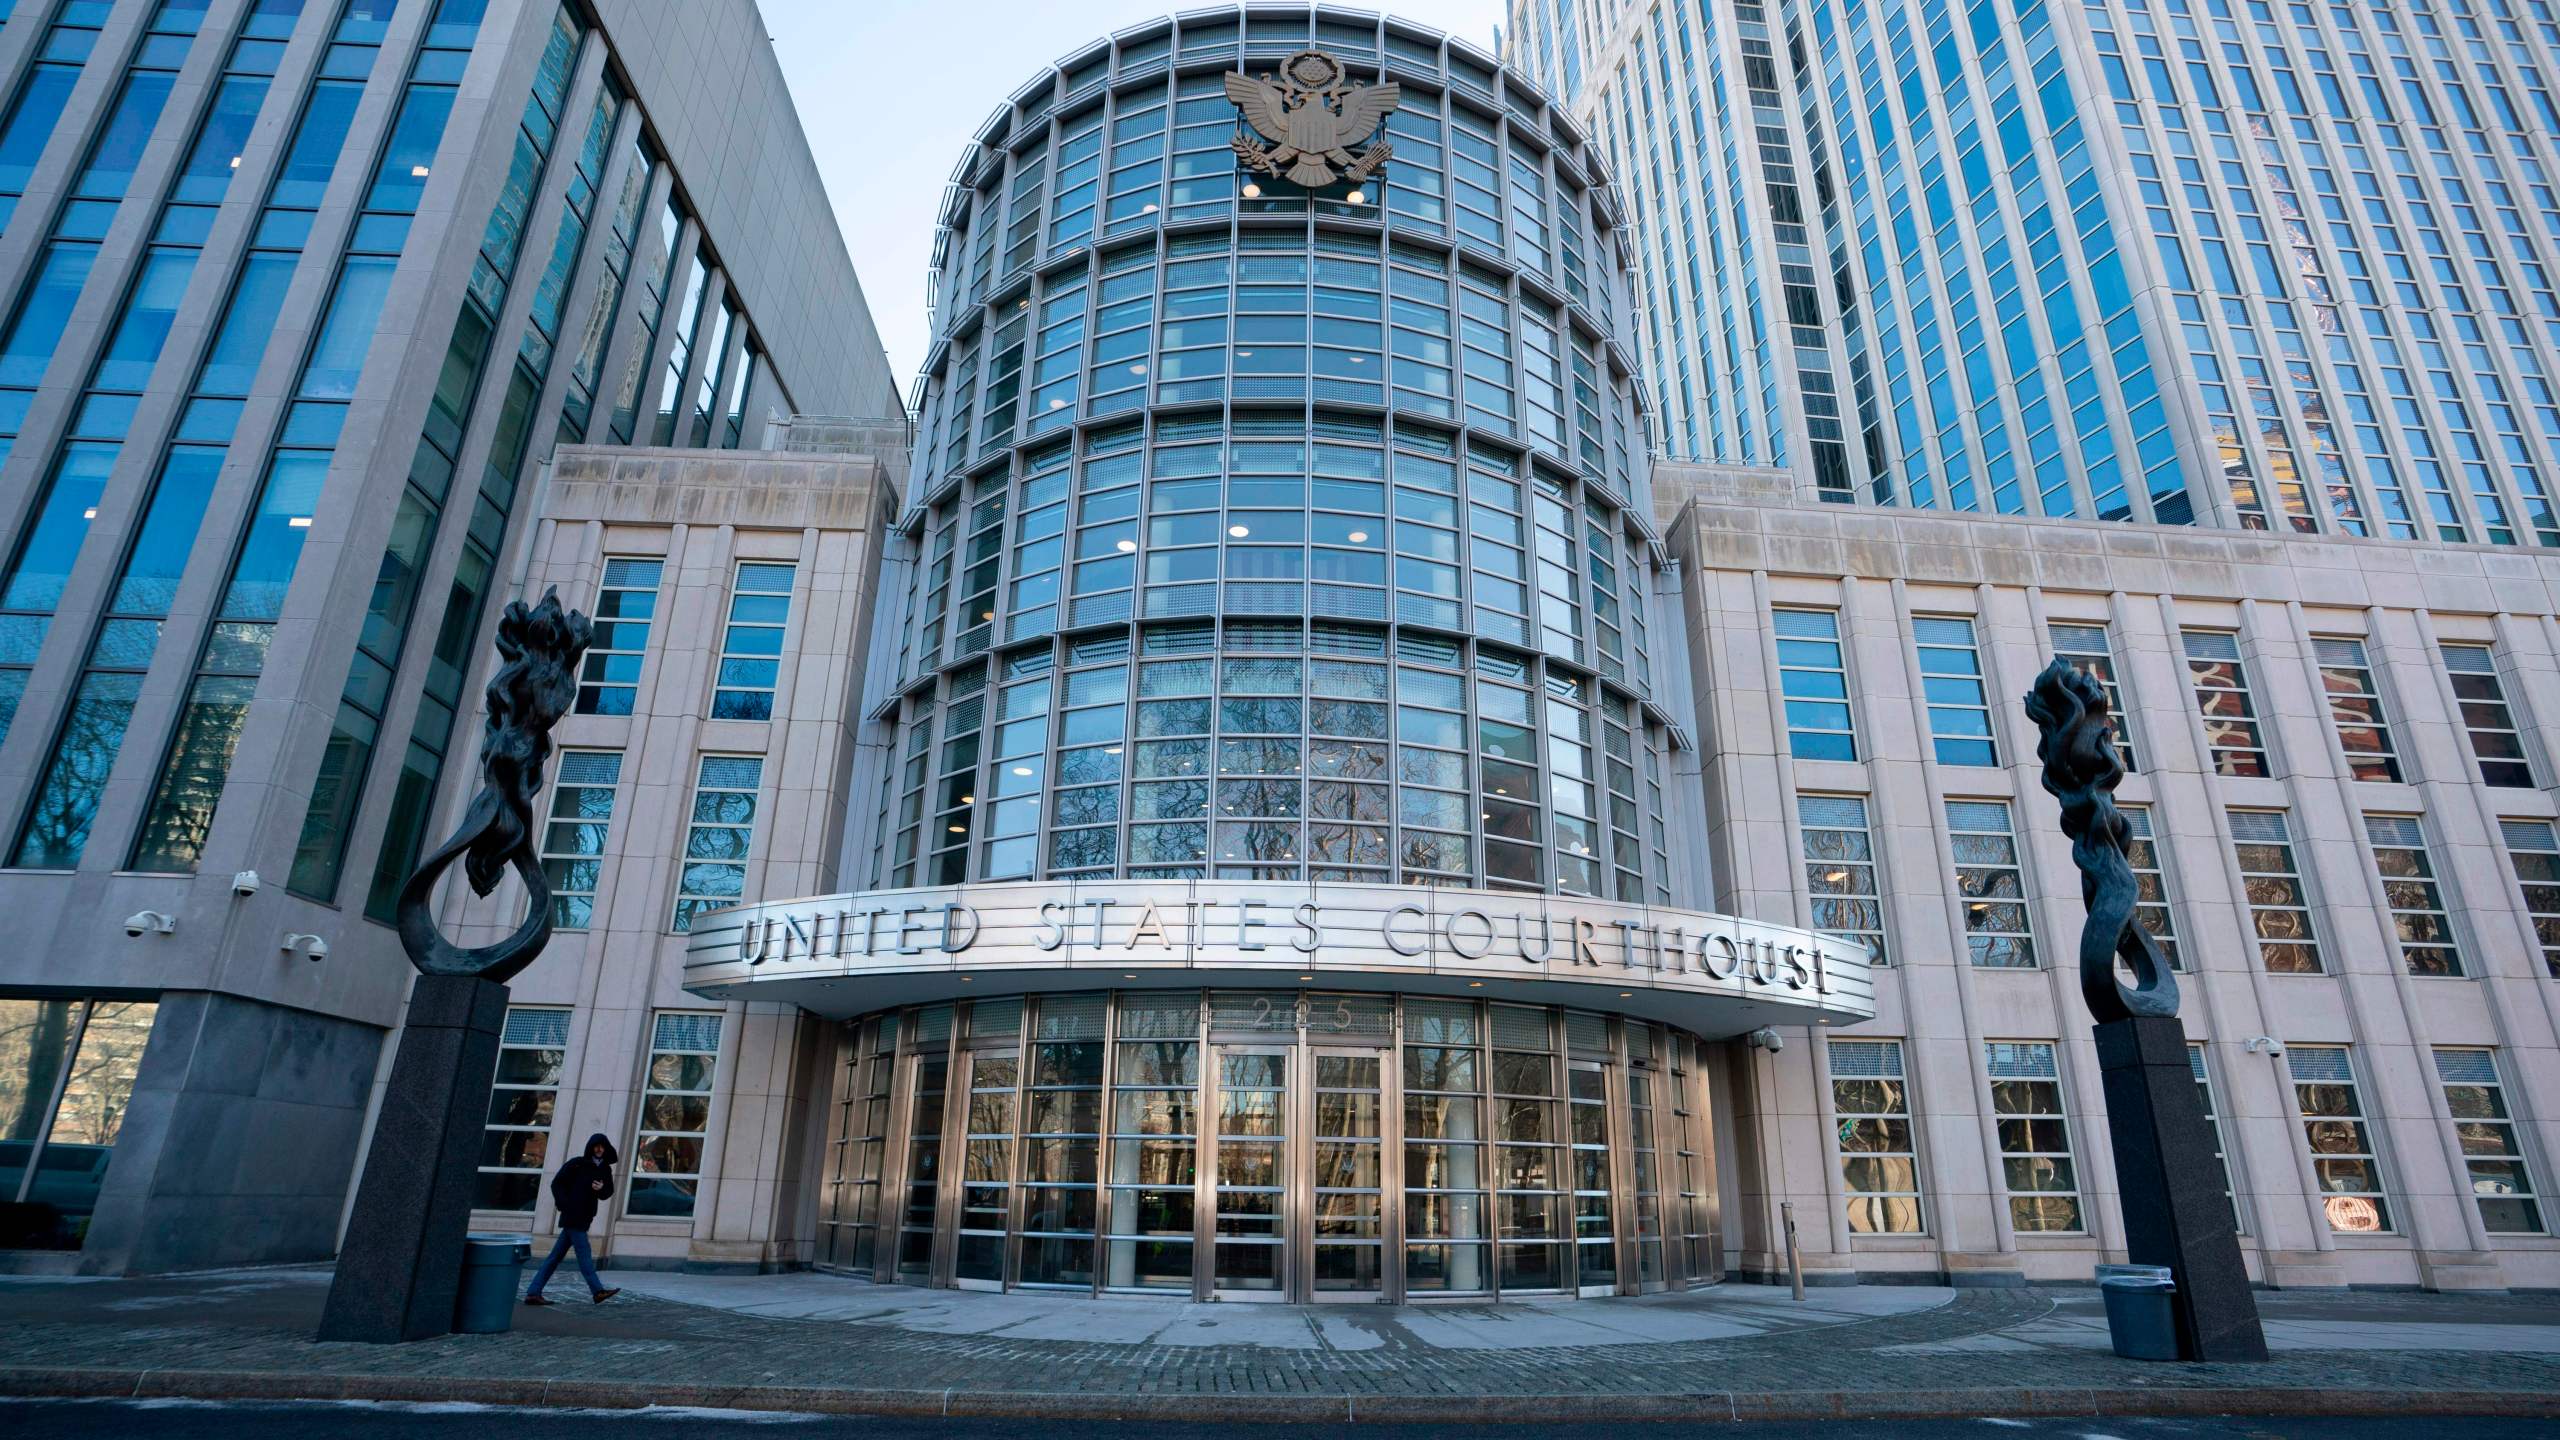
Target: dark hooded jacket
574, 1190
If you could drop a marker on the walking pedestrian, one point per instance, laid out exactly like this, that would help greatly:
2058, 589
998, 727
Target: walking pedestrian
583, 1184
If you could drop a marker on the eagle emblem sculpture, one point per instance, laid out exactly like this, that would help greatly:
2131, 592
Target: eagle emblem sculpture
1311, 119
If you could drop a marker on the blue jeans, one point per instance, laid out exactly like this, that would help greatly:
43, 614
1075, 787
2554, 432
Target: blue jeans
559, 1247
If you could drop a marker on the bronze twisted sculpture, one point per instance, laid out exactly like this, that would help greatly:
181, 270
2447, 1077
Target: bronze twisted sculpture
527, 696
2082, 770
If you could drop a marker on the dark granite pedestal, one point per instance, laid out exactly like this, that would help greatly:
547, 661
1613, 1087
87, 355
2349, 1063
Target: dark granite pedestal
402, 1260
2175, 1211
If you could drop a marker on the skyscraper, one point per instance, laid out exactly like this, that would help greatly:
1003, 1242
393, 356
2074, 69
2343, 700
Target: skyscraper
2242, 264
296, 298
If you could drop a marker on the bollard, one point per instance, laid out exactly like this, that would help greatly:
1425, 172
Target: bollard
1795, 1258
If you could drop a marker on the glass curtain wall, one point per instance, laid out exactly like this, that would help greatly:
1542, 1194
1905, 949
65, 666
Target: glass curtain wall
1270, 1145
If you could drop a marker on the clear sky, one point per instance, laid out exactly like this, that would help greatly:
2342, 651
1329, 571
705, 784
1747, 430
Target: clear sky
890, 90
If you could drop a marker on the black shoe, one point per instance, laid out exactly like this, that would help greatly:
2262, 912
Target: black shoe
604, 1295
535, 1300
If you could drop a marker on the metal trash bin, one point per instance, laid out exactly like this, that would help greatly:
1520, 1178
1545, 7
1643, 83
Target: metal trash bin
2142, 1313
492, 1270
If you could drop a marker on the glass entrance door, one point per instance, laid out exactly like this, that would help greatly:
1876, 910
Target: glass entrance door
986, 1172
930, 1083
1251, 1169
1348, 1242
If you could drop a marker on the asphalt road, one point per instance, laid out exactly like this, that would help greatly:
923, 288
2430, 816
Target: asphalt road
200, 1420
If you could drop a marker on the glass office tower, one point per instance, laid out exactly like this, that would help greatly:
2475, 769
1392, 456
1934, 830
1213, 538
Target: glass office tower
296, 298
2242, 264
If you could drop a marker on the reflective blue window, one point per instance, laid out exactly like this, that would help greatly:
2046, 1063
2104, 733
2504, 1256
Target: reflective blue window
347, 331
119, 146
53, 542
220, 138
247, 324
41, 316
148, 311
402, 176
322, 133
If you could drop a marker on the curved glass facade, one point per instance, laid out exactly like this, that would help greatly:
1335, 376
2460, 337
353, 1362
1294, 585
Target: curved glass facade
1244, 1144
1278, 536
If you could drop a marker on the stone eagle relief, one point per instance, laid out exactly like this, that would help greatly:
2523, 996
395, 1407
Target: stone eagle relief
1312, 119
542, 645
2082, 770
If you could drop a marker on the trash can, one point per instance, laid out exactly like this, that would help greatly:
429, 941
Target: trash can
492, 1268
2142, 1314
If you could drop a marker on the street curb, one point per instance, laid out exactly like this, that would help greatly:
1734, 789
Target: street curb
44, 1382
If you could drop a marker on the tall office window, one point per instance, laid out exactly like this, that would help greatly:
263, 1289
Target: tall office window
1840, 870
626, 609
751, 646
675, 1114
2222, 697
718, 837
2343, 1159
2035, 1135
1815, 680
1990, 886
2501, 1180
1062, 1141
2213, 1122
2346, 679
1951, 680
1446, 1249
1879, 1154
2496, 742
2279, 907
1155, 1135
576, 841
2418, 916
2086, 647
2153, 911
2533, 847
523, 1104
43, 95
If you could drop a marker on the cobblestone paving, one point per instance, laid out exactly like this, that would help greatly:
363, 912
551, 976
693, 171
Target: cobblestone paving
170, 1326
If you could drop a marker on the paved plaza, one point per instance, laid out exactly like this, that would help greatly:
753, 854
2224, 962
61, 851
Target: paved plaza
806, 1342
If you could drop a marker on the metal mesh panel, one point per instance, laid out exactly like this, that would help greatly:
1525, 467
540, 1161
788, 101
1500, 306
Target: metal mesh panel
1586, 1034
2467, 1067
1805, 624
1350, 1017
690, 1033
731, 772
1991, 816
590, 767
1942, 630
2195, 1062
1070, 1017
633, 574
995, 1017
2137, 818
2211, 644
2470, 659
1866, 1059
933, 1025
2339, 652
2530, 834
2319, 1063
1832, 812
1518, 1029
2080, 639
544, 1029
2020, 1060
2397, 830
1170, 1017
2263, 827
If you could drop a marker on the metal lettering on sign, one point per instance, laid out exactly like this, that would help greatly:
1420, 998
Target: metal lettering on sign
1312, 118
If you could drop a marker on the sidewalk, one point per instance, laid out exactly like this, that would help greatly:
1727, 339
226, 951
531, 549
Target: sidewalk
822, 1343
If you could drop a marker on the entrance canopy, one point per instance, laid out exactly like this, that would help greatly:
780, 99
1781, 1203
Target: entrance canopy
846, 955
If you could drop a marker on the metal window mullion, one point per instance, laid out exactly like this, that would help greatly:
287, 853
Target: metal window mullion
52, 1110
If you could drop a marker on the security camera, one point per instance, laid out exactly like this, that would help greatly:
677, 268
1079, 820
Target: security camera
245, 884
2263, 1045
1767, 1039
312, 947
150, 922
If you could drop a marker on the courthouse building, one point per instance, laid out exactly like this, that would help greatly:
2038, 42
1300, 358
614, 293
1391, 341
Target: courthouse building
1376, 736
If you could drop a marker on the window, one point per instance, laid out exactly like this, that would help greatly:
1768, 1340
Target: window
2222, 698
675, 1114
1951, 679
2342, 1154
1879, 1160
1061, 1141
1990, 885
516, 1153
1155, 1126
2495, 742
2409, 886
2501, 1183
1815, 681
2347, 680
71, 1072
718, 837
751, 647
2279, 907
2035, 1135
2213, 1124
2533, 847
573, 844
2152, 911
2086, 647
1840, 870
626, 606
1444, 1175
